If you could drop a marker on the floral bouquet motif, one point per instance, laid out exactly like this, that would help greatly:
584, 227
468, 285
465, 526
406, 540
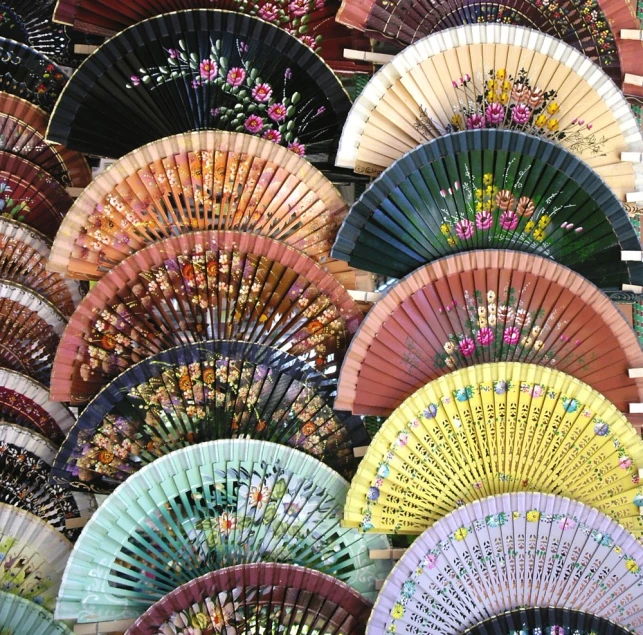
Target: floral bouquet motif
240, 99
510, 103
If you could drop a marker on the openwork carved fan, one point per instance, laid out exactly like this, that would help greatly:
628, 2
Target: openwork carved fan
509, 551
253, 598
195, 181
200, 69
492, 76
203, 286
488, 306
491, 429
202, 392
206, 507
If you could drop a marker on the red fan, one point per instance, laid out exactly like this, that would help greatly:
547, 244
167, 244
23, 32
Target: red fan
22, 131
25, 402
31, 195
201, 286
592, 26
30, 329
488, 306
312, 21
255, 598
24, 253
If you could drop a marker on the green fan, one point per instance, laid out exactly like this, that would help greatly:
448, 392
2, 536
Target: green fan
206, 507
490, 189
18, 616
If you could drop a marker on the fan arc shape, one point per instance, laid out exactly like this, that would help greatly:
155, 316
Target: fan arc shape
24, 256
199, 69
202, 392
33, 554
546, 621
253, 597
312, 22
25, 465
30, 330
493, 76
28, 74
18, 615
203, 286
490, 189
25, 402
195, 181
488, 306
22, 132
492, 429
539, 550
209, 506
591, 27
30, 195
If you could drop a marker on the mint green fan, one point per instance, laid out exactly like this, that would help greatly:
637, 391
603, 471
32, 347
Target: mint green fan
206, 507
19, 616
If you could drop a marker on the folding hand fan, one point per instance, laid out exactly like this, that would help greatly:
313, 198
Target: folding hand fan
200, 69
25, 464
25, 402
491, 429
30, 22
199, 180
508, 551
491, 76
488, 306
31, 195
26, 73
33, 555
206, 507
201, 392
490, 188
256, 598
546, 621
18, 615
203, 286
30, 329
22, 132
24, 253
311, 22
588, 25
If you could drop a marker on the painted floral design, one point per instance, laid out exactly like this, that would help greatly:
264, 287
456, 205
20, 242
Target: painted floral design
452, 421
445, 567
11, 207
297, 523
241, 100
500, 100
218, 396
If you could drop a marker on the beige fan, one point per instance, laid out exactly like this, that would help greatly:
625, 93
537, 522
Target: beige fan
493, 76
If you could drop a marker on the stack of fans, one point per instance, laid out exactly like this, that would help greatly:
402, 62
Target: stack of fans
201, 432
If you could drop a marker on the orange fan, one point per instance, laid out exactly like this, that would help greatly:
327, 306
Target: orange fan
203, 286
488, 306
195, 181
22, 131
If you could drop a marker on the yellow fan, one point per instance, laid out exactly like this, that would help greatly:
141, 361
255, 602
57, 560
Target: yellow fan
492, 429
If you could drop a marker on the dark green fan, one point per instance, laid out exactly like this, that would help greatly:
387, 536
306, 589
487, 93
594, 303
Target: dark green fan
490, 189
200, 69
202, 392
546, 621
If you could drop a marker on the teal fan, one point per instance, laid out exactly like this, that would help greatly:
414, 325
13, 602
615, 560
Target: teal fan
206, 507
